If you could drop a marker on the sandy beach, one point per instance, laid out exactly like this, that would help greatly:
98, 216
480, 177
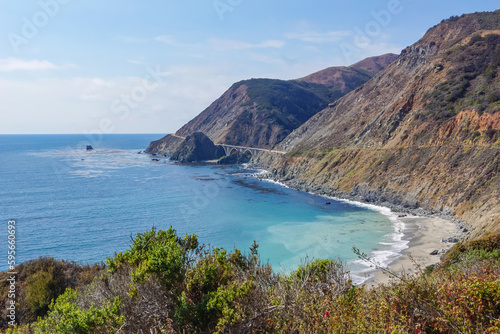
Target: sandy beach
425, 235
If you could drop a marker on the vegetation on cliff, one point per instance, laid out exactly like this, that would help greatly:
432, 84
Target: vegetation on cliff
166, 283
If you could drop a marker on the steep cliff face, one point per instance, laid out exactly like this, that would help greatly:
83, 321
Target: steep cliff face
197, 147
424, 132
165, 146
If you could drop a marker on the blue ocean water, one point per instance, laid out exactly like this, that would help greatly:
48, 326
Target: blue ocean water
84, 206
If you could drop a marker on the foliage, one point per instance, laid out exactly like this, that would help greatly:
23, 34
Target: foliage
42, 280
160, 253
316, 270
487, 247
221, 291
41, 289
66, 317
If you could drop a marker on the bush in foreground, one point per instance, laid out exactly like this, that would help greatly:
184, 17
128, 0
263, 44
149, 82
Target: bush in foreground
170, 284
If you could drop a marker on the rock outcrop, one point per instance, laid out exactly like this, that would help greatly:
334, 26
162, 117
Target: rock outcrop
166, 146
194, 148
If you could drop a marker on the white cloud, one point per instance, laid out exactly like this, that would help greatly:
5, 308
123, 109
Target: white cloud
226, 45
16, 64
264, 58
320, 37
93, 89
136, 62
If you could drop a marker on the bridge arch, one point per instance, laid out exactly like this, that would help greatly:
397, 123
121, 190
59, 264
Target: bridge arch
230, 149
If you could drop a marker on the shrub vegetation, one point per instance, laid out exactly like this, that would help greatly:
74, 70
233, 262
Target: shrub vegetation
170, 284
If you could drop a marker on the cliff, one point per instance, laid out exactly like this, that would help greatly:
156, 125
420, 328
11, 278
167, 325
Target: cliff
260, 112
423, 133
167, 145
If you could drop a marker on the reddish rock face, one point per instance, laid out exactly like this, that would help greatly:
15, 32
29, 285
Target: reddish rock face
468, 121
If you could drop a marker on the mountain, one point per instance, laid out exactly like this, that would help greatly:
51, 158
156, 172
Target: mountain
375, 64
262, 112
422, 133
346, 79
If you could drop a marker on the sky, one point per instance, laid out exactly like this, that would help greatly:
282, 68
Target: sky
123, 66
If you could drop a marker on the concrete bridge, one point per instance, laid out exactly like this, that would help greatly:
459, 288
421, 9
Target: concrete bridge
229, 149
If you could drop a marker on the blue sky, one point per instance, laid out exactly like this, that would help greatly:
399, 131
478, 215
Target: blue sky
122, 66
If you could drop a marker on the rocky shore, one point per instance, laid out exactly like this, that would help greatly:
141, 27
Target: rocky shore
370, 197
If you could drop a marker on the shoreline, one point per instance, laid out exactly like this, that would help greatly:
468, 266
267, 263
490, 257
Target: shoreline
418, 234
425, 235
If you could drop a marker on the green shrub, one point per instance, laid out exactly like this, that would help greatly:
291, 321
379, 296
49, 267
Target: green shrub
41, 289
159, 253
316, 270
221, 291
488, 244
66, 317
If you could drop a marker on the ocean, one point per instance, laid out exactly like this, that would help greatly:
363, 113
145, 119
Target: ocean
84, 206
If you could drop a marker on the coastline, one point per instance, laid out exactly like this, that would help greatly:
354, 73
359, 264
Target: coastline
425, 235
418, 233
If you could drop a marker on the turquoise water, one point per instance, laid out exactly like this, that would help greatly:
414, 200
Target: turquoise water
84, 206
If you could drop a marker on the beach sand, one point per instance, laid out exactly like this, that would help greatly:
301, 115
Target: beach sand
425, 235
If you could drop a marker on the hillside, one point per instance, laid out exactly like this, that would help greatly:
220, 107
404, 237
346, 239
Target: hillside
262, 112
346, 79
375, 64
423, 133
